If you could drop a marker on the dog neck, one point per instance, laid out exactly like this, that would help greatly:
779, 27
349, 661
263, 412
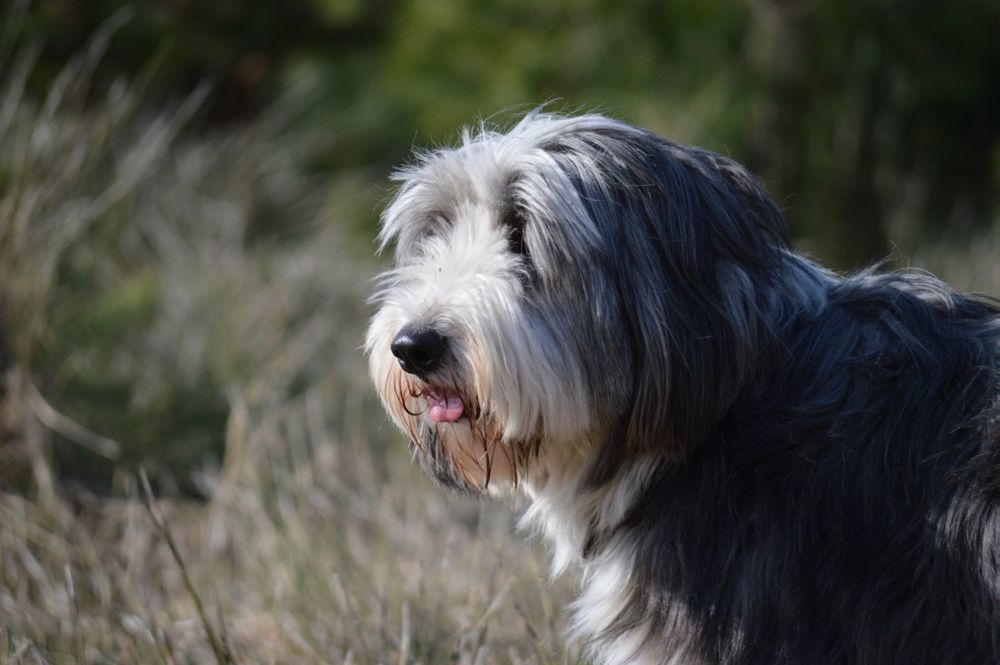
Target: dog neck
571, 515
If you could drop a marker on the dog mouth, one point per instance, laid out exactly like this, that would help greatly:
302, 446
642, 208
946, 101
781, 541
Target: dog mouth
444, 406
453, 436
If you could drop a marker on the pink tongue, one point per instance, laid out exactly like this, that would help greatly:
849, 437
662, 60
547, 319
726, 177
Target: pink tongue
446, 409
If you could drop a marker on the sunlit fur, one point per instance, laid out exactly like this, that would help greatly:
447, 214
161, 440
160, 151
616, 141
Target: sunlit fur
748, 458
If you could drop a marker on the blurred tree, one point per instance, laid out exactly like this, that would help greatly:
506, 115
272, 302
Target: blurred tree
862, 105
869, 121
239, 45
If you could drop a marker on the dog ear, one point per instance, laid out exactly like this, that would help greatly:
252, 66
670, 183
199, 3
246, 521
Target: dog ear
698, 309
697, 249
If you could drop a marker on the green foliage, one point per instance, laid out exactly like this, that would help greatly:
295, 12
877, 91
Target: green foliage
873, 122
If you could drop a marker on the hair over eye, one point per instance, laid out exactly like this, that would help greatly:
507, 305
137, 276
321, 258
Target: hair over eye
514, 222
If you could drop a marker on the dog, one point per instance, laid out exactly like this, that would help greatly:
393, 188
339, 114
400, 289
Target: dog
749, 458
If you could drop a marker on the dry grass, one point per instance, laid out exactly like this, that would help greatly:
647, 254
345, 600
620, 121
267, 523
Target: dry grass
318, 541
314, 548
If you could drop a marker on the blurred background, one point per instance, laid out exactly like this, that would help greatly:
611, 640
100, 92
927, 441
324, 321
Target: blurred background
189, 190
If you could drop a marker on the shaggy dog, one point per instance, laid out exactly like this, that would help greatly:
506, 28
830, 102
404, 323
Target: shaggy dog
750, 459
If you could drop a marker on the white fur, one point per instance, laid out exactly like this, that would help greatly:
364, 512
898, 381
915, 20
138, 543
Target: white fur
459, 275
562, 516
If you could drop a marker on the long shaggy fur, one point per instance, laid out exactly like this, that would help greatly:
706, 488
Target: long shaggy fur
750, 459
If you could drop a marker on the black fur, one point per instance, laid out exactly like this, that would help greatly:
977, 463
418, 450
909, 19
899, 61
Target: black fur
843, 504
830, 491
847, 508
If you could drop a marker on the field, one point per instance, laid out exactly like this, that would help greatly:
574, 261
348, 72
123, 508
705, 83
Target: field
193, 466
139, 298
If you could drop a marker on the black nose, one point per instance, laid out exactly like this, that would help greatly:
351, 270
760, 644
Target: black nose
419, 350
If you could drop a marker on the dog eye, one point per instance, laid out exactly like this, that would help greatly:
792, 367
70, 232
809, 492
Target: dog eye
436, 225
514, 223
516, 241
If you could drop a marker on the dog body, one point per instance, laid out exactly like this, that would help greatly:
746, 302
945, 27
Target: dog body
751, 460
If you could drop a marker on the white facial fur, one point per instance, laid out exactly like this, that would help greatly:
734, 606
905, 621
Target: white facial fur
456, 271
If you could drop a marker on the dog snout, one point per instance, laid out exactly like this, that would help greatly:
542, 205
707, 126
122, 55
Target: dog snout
419, 350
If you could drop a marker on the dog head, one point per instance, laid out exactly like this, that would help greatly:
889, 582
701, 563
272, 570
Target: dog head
575, 286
